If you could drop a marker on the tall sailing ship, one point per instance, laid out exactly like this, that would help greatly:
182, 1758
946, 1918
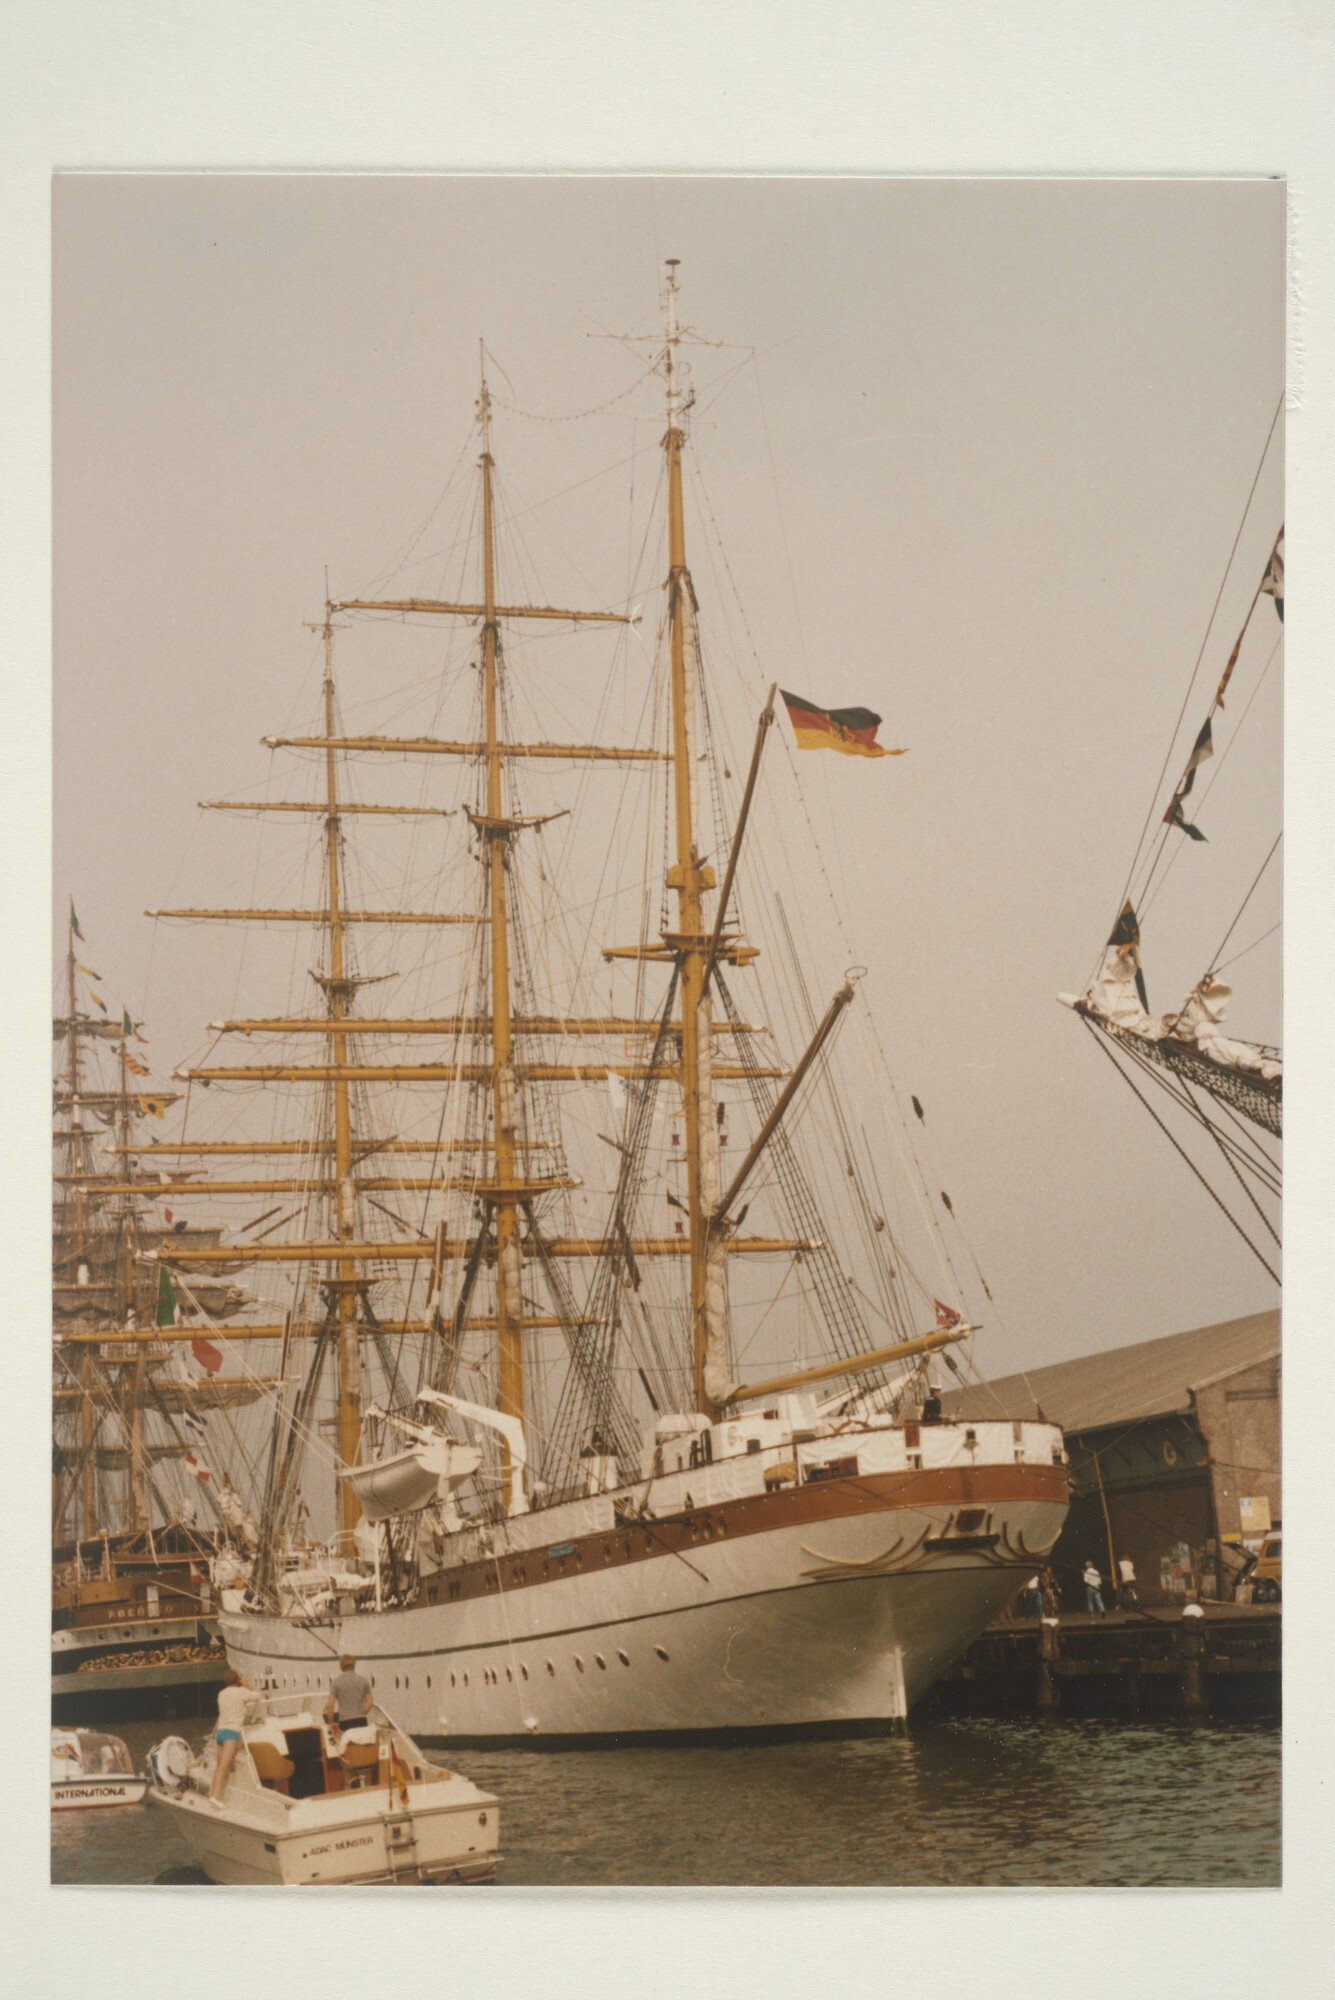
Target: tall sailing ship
133, 1608
562, 1509
1211, 1084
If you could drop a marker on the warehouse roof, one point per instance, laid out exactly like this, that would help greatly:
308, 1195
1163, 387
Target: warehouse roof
1123, 1384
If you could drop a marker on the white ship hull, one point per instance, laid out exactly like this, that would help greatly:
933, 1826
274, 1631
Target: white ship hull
827, 1605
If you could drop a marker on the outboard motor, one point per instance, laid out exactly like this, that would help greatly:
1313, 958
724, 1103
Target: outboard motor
169, 1763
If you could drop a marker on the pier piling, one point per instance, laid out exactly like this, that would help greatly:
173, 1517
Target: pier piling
1049, 1648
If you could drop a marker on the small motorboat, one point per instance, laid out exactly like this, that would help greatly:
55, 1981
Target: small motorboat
89, 1769
306, 1803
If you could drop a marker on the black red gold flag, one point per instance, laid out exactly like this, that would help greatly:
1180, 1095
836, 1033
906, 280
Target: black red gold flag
851, 731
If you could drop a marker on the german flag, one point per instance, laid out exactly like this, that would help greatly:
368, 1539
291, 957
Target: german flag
851, 731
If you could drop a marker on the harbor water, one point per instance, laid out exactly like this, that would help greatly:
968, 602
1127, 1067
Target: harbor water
962, 1803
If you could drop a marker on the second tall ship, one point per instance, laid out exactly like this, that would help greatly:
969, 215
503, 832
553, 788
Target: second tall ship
565, 1505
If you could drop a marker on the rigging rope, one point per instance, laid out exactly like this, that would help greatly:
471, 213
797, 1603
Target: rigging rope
1246, 899
1234, 1223
1242, 522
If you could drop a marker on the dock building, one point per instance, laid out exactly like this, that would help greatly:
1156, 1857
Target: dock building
1175, 1453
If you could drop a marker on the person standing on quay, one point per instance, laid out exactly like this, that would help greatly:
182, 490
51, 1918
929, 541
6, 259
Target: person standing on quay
1126, 1590
1051, 1599
1093, 1590
1033, 1598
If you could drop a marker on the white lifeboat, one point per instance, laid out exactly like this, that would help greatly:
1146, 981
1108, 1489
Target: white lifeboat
411, 1479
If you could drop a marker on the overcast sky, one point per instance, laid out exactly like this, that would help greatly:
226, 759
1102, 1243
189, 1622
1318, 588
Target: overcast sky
977, 452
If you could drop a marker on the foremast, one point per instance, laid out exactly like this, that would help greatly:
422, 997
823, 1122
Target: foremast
344, 1279
504, 1189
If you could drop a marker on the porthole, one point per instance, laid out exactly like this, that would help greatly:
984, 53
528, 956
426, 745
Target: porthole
551, 1670
508, 1675
452, 1681
624, 1659
579, 1664
428, 1680
406, 1682
546, 1569
601, 1661
661, 1654
629, 1546
708, 1530
607, 1552
720, 1526
396, 1680
523, 1673
465, 1680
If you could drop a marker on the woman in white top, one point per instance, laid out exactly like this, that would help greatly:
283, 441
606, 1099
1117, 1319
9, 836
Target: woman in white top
233, 1698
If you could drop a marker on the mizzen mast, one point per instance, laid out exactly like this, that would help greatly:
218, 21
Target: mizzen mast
690, 877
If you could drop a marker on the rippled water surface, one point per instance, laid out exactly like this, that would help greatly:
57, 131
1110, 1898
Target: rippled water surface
960, 1803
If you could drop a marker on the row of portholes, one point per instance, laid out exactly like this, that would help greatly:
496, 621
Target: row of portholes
491, 1678
296, 1681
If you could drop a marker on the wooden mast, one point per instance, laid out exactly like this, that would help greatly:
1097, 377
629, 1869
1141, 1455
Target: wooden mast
689, 876
496, 831
339, 988
134, 1378
85, 1502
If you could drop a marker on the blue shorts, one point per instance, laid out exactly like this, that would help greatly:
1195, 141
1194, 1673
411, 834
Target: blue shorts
228, 1736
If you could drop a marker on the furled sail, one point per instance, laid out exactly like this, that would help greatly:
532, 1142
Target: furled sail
1247, 1076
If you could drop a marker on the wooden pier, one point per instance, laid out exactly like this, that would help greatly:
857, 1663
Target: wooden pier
1160, 1661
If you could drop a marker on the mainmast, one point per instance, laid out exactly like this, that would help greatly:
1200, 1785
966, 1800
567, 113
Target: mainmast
339, 988
691, 877
496, 831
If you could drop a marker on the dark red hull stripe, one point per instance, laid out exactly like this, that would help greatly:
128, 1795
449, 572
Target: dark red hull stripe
760, 1513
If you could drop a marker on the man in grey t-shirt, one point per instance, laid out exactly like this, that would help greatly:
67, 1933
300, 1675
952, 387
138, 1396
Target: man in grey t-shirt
349, 1700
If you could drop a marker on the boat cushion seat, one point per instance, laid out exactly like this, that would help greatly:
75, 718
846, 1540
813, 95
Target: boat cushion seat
273, 1767
361, 1762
